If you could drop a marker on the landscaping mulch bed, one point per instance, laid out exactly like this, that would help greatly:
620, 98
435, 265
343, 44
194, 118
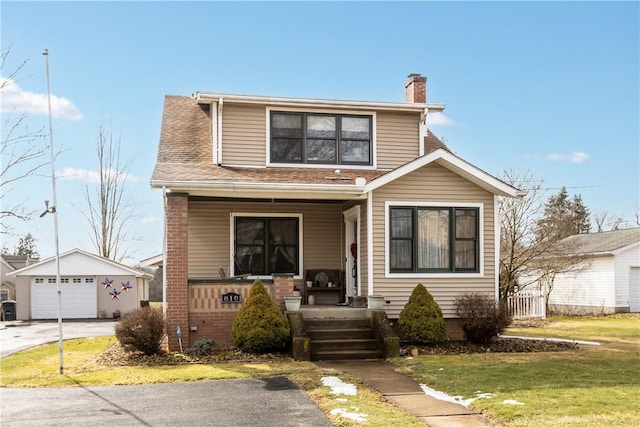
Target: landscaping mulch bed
498, 345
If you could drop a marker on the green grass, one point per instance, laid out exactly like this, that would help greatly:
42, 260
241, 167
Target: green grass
38, 367
592, 386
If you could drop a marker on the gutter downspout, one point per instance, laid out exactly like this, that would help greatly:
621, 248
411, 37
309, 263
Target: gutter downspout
423, 130
369, 244
219, 138
164, 254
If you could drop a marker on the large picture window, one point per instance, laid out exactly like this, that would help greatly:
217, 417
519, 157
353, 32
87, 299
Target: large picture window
265, 246
330, 139
433, 239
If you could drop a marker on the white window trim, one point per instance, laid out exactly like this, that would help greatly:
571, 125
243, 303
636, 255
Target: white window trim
387, 272
232, 233
374, 157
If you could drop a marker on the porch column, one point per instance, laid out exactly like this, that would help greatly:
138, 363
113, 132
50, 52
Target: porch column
176, 268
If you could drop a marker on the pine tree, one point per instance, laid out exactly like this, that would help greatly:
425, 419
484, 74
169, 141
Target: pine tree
563, 217
27, 246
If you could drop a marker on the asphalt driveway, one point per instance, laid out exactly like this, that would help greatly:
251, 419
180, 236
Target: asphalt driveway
273, 402
268, 402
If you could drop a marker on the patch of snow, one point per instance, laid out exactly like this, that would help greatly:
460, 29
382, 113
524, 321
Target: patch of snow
512, 402
441, 369
338, 386
341, 399
361, 418
460, 400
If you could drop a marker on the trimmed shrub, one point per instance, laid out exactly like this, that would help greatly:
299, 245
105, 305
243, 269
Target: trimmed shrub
202, 347
481, 318
421, 320
142, 330
260, 326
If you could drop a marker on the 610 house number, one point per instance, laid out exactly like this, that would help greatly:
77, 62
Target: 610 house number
231, 298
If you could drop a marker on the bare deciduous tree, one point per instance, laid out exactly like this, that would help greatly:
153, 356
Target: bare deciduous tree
528, 255
22, 152
109, 209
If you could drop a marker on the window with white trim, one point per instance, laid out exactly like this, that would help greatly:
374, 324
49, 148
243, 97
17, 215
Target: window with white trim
88, 280
434, 239
39, 280
4, 294
77, 280
316, 138
266, 245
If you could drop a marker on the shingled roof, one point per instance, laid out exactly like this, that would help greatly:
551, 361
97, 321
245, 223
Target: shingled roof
602, 243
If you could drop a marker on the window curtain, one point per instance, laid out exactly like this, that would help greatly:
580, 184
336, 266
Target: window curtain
433, 238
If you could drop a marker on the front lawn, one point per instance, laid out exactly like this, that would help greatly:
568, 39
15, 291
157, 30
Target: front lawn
591, 386
91, 362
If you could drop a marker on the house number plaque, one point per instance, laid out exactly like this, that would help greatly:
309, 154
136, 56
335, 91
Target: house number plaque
231, 298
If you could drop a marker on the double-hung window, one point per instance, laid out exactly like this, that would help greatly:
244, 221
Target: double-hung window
433, 239
315, 138
266, 245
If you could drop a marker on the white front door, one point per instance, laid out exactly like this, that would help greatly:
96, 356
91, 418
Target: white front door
352, 251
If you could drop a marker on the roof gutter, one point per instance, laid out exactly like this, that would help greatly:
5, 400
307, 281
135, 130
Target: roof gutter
207, 98
352, 191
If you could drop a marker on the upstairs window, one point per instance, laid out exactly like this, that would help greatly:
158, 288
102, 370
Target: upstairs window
326, 139
430, 239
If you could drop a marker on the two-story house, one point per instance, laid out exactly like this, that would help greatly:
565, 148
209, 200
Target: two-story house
359, 194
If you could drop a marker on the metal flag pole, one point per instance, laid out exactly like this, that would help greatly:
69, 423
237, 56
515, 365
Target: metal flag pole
53, 210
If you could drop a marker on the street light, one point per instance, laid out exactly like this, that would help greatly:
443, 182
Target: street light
52, 209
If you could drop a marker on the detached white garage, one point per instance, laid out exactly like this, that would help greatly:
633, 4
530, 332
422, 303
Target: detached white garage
91, 287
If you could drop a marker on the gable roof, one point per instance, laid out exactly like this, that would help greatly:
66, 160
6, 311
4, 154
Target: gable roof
78, 262
457, 165
607, 242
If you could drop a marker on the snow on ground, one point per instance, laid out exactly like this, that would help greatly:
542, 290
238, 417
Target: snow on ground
361, 418
512, 402
338, 386
454, 399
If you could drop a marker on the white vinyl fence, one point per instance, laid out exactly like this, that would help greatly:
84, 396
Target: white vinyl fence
527, 303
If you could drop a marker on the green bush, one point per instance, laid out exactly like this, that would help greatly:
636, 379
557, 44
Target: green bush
260, 326
142, 330
202, 347
481, 318
421, 320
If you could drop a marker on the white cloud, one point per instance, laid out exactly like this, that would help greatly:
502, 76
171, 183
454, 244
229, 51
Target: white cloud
575, 157
88, 176
150, 220
438, 119
14, 99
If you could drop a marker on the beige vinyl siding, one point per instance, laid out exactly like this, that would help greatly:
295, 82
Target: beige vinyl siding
244, 135
432, 183
210, 234
397, 138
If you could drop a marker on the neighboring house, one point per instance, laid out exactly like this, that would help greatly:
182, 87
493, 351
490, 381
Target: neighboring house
607, 281
91, 287
280, 187
9, 263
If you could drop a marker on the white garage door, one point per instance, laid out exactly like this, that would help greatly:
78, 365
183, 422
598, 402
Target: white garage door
79, 300
634, 290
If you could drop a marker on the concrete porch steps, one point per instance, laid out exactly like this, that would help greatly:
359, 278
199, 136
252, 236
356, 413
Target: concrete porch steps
342, 339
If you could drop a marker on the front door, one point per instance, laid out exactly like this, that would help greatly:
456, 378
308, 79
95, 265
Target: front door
352, 251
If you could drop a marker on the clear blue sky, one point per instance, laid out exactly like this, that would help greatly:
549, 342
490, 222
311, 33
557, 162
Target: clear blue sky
551, 88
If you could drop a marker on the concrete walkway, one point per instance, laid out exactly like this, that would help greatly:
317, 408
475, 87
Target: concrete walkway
407, 395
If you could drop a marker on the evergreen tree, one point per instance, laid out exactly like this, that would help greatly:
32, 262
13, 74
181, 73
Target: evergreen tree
563, 217
27, 246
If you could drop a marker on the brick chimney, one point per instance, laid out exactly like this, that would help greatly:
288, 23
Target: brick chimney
416, 88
